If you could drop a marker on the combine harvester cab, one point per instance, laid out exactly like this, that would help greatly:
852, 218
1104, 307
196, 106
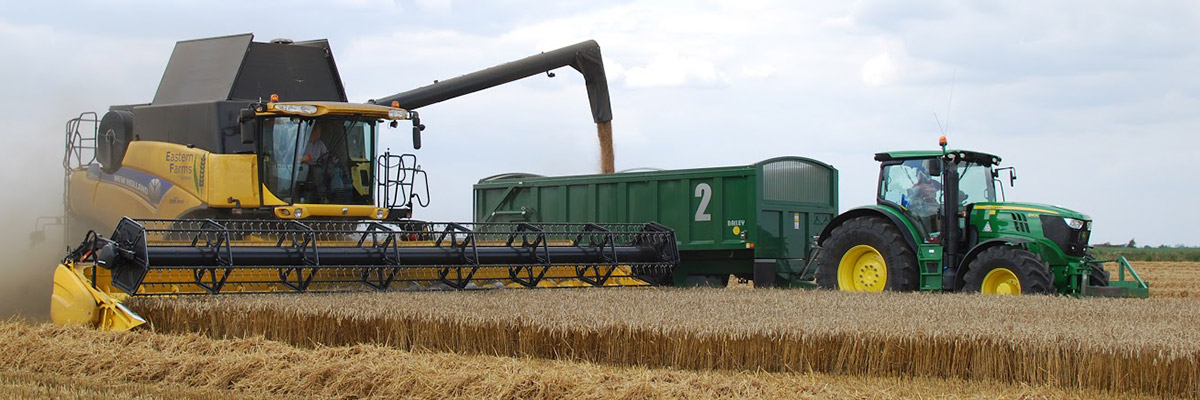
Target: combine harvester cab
250, 172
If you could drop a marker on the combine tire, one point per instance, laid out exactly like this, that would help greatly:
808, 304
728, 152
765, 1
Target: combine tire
866, 254
1008, 270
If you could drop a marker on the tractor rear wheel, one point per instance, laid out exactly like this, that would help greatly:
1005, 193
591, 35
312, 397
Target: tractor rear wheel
866, 254
1008, 270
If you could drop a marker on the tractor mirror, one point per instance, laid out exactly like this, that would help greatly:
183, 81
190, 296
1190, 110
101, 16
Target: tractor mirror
249, 125
1012, 174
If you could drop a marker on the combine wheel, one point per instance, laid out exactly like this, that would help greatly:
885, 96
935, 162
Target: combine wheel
866, 254
1008, 270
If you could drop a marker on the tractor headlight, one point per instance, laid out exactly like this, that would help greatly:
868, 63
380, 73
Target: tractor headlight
1073, 223
296, 108
397, 114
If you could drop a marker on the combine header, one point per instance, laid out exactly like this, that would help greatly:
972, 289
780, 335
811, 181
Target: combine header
250, 172
182, 257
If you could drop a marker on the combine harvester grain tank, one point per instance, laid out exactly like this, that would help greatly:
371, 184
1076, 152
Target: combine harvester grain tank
250, 172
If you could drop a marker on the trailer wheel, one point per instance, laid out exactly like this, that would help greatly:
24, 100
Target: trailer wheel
1008, 270
717, 281
866, 254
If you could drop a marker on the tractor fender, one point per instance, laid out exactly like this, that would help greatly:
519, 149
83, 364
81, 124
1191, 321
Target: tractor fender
905, 229
959, 281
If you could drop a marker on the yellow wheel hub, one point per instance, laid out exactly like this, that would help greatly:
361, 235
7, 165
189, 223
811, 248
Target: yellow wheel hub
862, 269
1001, 281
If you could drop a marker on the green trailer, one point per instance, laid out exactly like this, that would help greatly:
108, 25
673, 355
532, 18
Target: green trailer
754, 221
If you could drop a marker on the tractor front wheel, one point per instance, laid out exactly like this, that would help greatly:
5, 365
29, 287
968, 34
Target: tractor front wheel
1008, 270
866, 254
1097, 276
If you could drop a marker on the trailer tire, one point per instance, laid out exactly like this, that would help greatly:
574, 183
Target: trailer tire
1008, 270
716, 281
866, 254
112, 140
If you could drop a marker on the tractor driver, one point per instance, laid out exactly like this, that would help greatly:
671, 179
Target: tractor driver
923, 200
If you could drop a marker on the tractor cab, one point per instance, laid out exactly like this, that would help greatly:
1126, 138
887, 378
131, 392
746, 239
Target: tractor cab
915, 184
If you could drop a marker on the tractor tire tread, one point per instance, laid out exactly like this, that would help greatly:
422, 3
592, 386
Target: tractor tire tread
1032, 272
902, 274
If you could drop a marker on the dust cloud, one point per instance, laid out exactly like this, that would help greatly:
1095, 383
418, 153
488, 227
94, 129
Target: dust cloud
31, 179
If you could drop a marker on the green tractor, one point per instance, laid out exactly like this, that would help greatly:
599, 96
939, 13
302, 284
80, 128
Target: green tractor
938, 226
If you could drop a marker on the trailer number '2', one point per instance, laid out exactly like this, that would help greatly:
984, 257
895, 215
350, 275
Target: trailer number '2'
704, 192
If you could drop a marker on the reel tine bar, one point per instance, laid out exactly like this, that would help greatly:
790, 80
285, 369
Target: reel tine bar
213, 256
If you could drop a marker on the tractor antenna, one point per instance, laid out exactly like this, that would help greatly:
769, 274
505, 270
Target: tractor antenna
946, 127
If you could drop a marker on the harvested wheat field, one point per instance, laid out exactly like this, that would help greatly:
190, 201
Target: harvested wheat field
1119, 345
45, 361
1168, 279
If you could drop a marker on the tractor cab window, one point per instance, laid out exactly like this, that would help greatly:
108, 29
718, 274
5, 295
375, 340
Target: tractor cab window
975, 184
915, 187
912, 186
319, 161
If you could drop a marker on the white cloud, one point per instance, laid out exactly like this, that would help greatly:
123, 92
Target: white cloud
879, 70
836, 81
673, 70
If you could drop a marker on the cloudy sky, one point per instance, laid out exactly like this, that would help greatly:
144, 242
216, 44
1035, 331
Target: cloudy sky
1096, 103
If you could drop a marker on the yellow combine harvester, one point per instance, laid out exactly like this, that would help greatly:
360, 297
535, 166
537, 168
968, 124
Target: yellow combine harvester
223, 187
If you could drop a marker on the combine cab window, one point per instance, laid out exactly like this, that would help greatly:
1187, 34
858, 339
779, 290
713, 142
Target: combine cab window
319, 161
278, 156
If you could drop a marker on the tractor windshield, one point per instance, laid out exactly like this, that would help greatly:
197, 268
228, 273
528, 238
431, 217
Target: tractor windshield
319, 161
975, 184
915, 188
